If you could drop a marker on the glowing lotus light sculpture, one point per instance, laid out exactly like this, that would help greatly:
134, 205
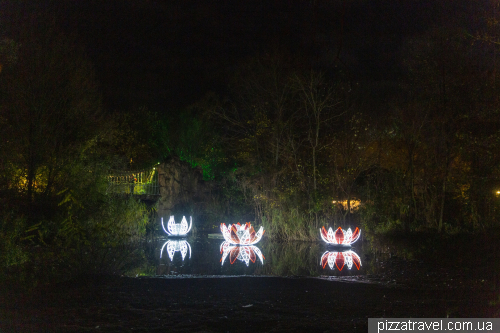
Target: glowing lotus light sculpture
177, 229
245, 253
241, 234
173, 246
339, 259
338, 237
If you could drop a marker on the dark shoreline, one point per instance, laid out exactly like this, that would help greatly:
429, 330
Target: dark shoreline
230, 304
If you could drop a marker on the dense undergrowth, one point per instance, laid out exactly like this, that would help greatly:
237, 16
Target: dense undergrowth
105, 242
57, 219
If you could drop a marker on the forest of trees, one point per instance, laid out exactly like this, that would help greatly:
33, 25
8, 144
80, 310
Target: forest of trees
287, 142
307, 146
300, 140
58, 147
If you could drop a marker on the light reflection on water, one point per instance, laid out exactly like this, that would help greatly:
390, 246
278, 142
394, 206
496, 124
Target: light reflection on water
414, 261
245, 253
209, 257
339, 259
176, 245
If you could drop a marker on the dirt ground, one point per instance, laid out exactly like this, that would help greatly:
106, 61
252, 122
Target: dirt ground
230, 304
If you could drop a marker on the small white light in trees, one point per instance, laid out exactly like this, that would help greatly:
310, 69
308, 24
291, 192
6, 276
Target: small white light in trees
180, 229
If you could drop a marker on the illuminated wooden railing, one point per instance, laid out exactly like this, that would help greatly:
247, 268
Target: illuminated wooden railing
143, 182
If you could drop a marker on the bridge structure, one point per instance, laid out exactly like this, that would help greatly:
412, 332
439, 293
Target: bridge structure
173, 185
142, 183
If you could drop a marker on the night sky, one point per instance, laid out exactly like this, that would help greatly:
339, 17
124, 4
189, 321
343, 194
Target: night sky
166, 55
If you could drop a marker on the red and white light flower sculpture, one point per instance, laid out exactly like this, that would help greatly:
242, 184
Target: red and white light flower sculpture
173, 246
339, 259
338, 237
177, 229
245, 253
241, 234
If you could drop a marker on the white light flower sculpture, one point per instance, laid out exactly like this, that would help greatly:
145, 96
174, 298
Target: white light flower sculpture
338, 237
241, 234
245, 253
173, 246
339, 259
177, 229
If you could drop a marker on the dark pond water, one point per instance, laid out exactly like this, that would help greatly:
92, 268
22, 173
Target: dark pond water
208, 256
473, 260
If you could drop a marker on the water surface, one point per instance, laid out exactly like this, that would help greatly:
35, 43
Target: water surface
413, 261
208, 256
